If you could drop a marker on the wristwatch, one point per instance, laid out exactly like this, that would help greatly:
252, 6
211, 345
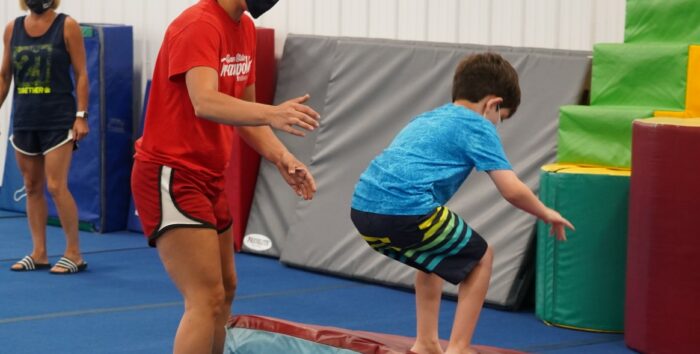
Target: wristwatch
82, 114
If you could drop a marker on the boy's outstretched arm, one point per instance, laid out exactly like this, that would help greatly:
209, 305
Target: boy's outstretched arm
520, 195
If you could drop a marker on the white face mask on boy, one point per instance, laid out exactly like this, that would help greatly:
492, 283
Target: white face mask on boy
498, 114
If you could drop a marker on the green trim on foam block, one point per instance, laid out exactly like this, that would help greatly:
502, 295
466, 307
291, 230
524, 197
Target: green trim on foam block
652, 75
580, 283
662, 21
82, 225
598, 135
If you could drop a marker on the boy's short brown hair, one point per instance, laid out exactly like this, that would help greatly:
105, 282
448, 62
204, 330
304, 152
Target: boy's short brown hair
485, 74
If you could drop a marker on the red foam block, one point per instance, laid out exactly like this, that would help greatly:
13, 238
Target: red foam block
359, 341
663, 256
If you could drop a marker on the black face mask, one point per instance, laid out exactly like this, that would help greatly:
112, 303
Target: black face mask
259, 7
38, 6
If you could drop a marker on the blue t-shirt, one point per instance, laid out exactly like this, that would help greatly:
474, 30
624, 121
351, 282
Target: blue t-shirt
428, 161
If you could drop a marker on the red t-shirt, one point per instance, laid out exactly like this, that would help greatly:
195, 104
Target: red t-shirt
203, 35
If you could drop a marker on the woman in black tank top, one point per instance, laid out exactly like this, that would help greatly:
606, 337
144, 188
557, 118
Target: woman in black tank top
39, 51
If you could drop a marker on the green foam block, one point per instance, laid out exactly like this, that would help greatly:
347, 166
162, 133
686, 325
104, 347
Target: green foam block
580, 283
662, 21
598, 135
652, 75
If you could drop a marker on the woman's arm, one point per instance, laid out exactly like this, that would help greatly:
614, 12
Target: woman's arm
209, 103
266, 143
75, 45
6, 66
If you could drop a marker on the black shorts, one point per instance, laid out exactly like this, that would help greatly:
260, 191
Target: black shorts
41, 142
439, 242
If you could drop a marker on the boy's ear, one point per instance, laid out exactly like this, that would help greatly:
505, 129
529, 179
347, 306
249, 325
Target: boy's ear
492, 102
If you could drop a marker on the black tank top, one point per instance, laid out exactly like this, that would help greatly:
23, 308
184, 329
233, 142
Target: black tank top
43, 96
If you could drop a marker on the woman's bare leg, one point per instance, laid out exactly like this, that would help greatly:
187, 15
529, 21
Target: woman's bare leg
57, 163
191, 257
32, 168
230, 281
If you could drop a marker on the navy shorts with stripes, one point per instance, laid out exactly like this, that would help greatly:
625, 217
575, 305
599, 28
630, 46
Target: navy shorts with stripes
439, 242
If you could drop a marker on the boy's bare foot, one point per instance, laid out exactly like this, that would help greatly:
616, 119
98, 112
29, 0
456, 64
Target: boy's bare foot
426, 348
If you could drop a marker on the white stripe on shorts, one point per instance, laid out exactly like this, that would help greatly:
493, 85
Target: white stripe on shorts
12, 141
170, 214
69, 138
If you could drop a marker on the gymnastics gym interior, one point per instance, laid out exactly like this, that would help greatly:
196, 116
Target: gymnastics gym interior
608, 134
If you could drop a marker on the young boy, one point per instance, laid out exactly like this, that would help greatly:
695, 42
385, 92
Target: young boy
398, 204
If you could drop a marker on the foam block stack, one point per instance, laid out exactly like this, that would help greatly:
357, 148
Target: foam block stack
656, 72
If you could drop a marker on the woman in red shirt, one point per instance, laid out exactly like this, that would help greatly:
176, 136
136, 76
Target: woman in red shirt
203, 85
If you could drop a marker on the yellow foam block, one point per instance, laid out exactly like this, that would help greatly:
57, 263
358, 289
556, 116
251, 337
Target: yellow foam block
586, 169
683, 122
676, 114
692, 91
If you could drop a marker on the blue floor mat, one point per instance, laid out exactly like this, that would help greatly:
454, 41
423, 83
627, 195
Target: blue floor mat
16, 240
6, 214
112, 280
602, 346
148, 331
125, 303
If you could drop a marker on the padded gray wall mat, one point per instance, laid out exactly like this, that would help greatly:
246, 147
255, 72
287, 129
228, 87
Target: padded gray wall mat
305, 68
375, 88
